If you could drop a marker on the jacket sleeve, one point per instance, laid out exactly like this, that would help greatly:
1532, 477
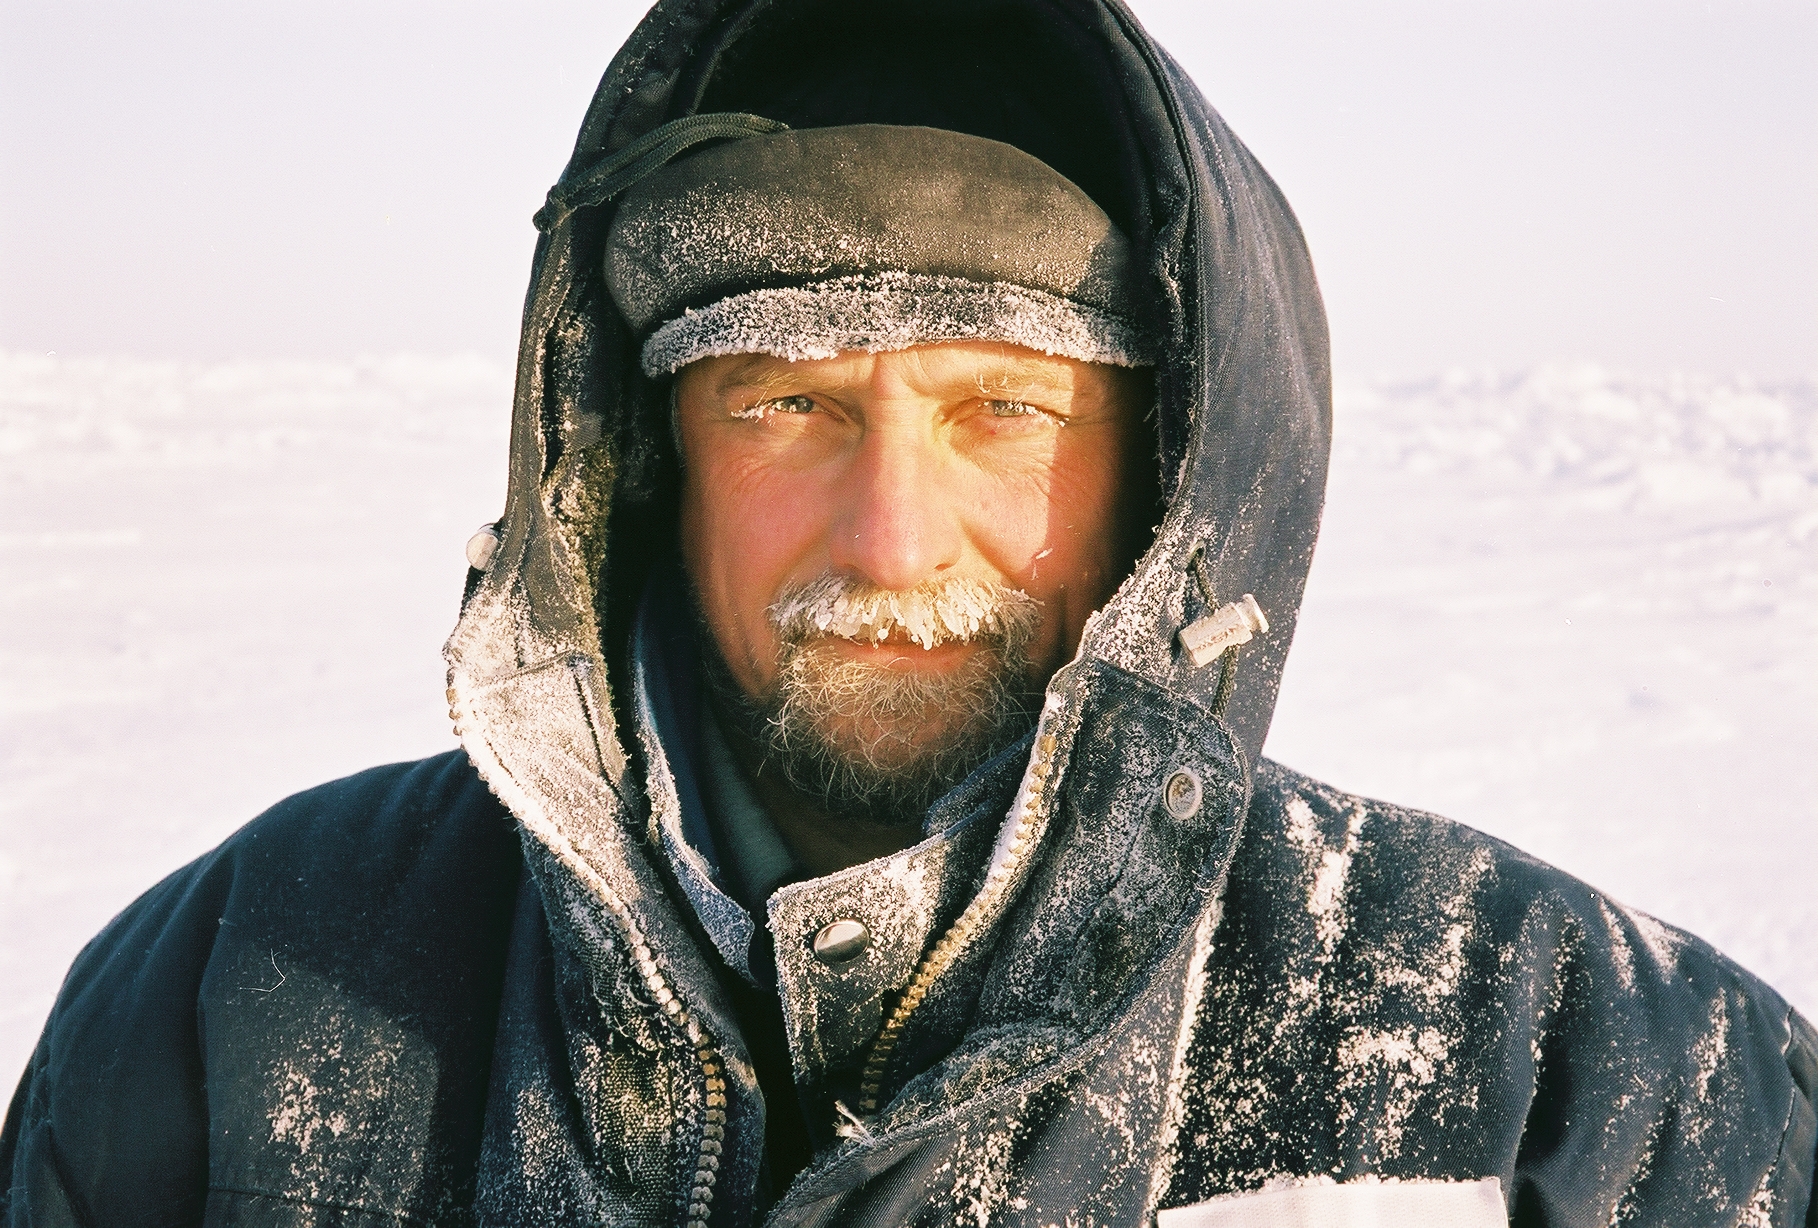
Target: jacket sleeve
1796, 1173
220, 1041
110, 1113
33, 1192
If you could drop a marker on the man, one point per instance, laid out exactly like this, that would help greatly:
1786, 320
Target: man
919, 442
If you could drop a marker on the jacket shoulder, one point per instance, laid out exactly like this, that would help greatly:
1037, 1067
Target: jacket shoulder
389, 837
1407, 867
1448, 977
368, 912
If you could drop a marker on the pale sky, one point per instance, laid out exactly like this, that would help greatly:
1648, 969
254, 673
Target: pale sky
1483, 185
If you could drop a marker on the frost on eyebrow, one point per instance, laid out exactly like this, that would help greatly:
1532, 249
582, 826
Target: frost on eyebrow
1013, 381
1010, 377
750, 379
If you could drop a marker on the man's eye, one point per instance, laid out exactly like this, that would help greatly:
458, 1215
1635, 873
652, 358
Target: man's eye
1011, 409
776, 405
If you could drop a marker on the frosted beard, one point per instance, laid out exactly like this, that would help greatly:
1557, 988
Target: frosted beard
878, 744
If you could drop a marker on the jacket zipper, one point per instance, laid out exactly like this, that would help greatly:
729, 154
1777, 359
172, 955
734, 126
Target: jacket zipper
937, 961
712, 1067
713, 1132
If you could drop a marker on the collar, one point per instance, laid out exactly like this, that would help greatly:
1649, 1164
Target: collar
754, 860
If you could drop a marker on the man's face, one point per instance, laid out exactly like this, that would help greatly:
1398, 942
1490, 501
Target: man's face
868, 475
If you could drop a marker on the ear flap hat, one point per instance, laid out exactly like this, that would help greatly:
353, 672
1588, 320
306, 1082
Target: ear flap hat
805, 244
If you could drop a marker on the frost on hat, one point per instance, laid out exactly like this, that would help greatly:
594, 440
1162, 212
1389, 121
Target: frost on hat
807, 243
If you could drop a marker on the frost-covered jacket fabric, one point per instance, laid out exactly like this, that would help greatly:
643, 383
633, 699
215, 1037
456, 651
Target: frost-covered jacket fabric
1157, 979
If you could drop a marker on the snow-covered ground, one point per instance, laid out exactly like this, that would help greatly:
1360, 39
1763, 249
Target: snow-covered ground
1573, 608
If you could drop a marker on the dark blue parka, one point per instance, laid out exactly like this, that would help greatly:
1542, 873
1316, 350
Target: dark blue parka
479, 989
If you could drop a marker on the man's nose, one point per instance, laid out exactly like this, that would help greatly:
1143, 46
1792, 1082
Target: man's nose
897, 525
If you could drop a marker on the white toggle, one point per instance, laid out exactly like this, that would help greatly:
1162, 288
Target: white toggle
1226, 627
482, 546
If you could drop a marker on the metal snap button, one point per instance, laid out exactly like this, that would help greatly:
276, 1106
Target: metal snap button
841, 942
1183, 793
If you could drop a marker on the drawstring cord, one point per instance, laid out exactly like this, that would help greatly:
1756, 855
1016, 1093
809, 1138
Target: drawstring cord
1227, 682
1198, 565
649, 153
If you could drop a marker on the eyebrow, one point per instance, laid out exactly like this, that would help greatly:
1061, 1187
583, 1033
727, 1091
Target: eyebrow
757, 372
1013, 377
1008, 377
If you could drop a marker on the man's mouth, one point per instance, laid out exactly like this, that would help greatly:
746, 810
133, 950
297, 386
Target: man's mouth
898, 651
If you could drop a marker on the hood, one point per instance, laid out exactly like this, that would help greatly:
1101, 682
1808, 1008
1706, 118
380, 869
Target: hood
1097, 869
1089, 870
1242, 386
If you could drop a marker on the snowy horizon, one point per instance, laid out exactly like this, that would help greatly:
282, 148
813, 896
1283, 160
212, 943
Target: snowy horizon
1569, 605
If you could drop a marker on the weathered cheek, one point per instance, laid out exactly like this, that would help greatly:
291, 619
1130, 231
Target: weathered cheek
1058, 523
1012, 511
737, 501
1087, 560
749, 478
749, 532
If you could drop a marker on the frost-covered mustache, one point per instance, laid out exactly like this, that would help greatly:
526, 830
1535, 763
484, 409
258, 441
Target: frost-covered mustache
932, 613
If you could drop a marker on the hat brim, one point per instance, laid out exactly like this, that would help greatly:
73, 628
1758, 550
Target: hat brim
891, 311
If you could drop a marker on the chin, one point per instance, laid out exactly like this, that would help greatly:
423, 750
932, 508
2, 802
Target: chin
895, 746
